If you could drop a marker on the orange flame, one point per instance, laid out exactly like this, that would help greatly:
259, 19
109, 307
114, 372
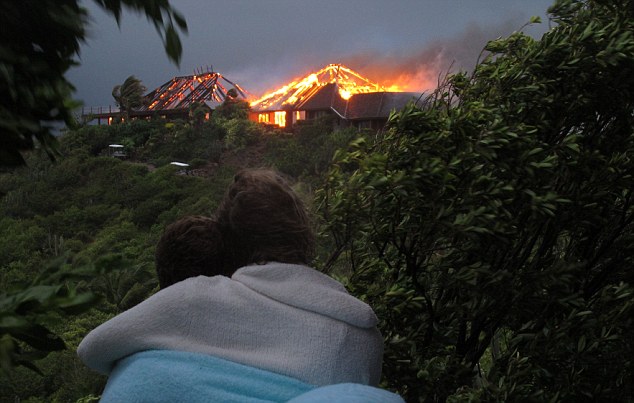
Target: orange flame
418, 81
348, 83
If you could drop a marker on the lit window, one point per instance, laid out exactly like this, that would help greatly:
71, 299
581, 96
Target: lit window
263, 118
280, 119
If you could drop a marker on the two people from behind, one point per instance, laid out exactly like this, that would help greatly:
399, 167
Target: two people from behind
240, 316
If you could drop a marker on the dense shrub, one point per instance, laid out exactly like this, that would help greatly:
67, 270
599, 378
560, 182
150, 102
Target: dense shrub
240, 132
492, 228
308, 152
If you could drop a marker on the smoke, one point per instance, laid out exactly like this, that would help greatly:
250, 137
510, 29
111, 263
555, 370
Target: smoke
419, 70
413, 70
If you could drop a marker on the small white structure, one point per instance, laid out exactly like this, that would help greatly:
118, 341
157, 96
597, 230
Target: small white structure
116, 150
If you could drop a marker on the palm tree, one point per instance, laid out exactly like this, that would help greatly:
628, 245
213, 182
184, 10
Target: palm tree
129, 95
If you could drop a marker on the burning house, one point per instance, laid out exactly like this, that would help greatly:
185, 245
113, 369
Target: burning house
173, 99
335, 90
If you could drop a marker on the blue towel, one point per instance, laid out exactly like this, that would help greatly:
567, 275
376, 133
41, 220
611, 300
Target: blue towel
175, 376
347, 393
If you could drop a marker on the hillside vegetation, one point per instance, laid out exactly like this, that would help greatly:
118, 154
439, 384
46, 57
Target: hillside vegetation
491, 227
93, 220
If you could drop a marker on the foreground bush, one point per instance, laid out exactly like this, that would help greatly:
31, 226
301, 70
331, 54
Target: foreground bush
492, 227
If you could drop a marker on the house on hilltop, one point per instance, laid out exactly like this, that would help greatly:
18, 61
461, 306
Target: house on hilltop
336, 91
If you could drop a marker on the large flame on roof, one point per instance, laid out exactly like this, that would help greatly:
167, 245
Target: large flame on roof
348, 82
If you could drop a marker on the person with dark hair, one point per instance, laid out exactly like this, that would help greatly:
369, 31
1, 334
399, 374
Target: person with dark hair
274, 330
264, 220
189, 247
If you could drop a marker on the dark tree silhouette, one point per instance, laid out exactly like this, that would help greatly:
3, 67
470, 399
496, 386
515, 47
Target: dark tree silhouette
129, 95
38, 42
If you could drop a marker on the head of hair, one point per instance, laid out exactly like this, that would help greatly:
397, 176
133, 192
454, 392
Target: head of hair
190, 247
264, 220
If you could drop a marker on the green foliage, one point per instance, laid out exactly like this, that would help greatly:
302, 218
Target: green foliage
122, 281
198, 112
26, 311
184, 143
240, 132
39, 41
232, 107
64, 377
18, 240
36, 52
308, 152
492, 228
101, 215
91, 139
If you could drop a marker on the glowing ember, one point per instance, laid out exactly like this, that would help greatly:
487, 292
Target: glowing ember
348, 82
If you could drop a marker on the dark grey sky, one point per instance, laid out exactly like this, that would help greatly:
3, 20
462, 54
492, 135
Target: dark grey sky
261, 44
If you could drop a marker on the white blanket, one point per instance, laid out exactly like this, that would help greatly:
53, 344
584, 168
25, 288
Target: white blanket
288, 319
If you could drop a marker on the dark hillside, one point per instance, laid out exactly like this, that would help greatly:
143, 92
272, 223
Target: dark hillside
102, 215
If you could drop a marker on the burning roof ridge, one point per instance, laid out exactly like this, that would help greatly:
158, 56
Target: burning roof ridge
206, 73
348, 82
